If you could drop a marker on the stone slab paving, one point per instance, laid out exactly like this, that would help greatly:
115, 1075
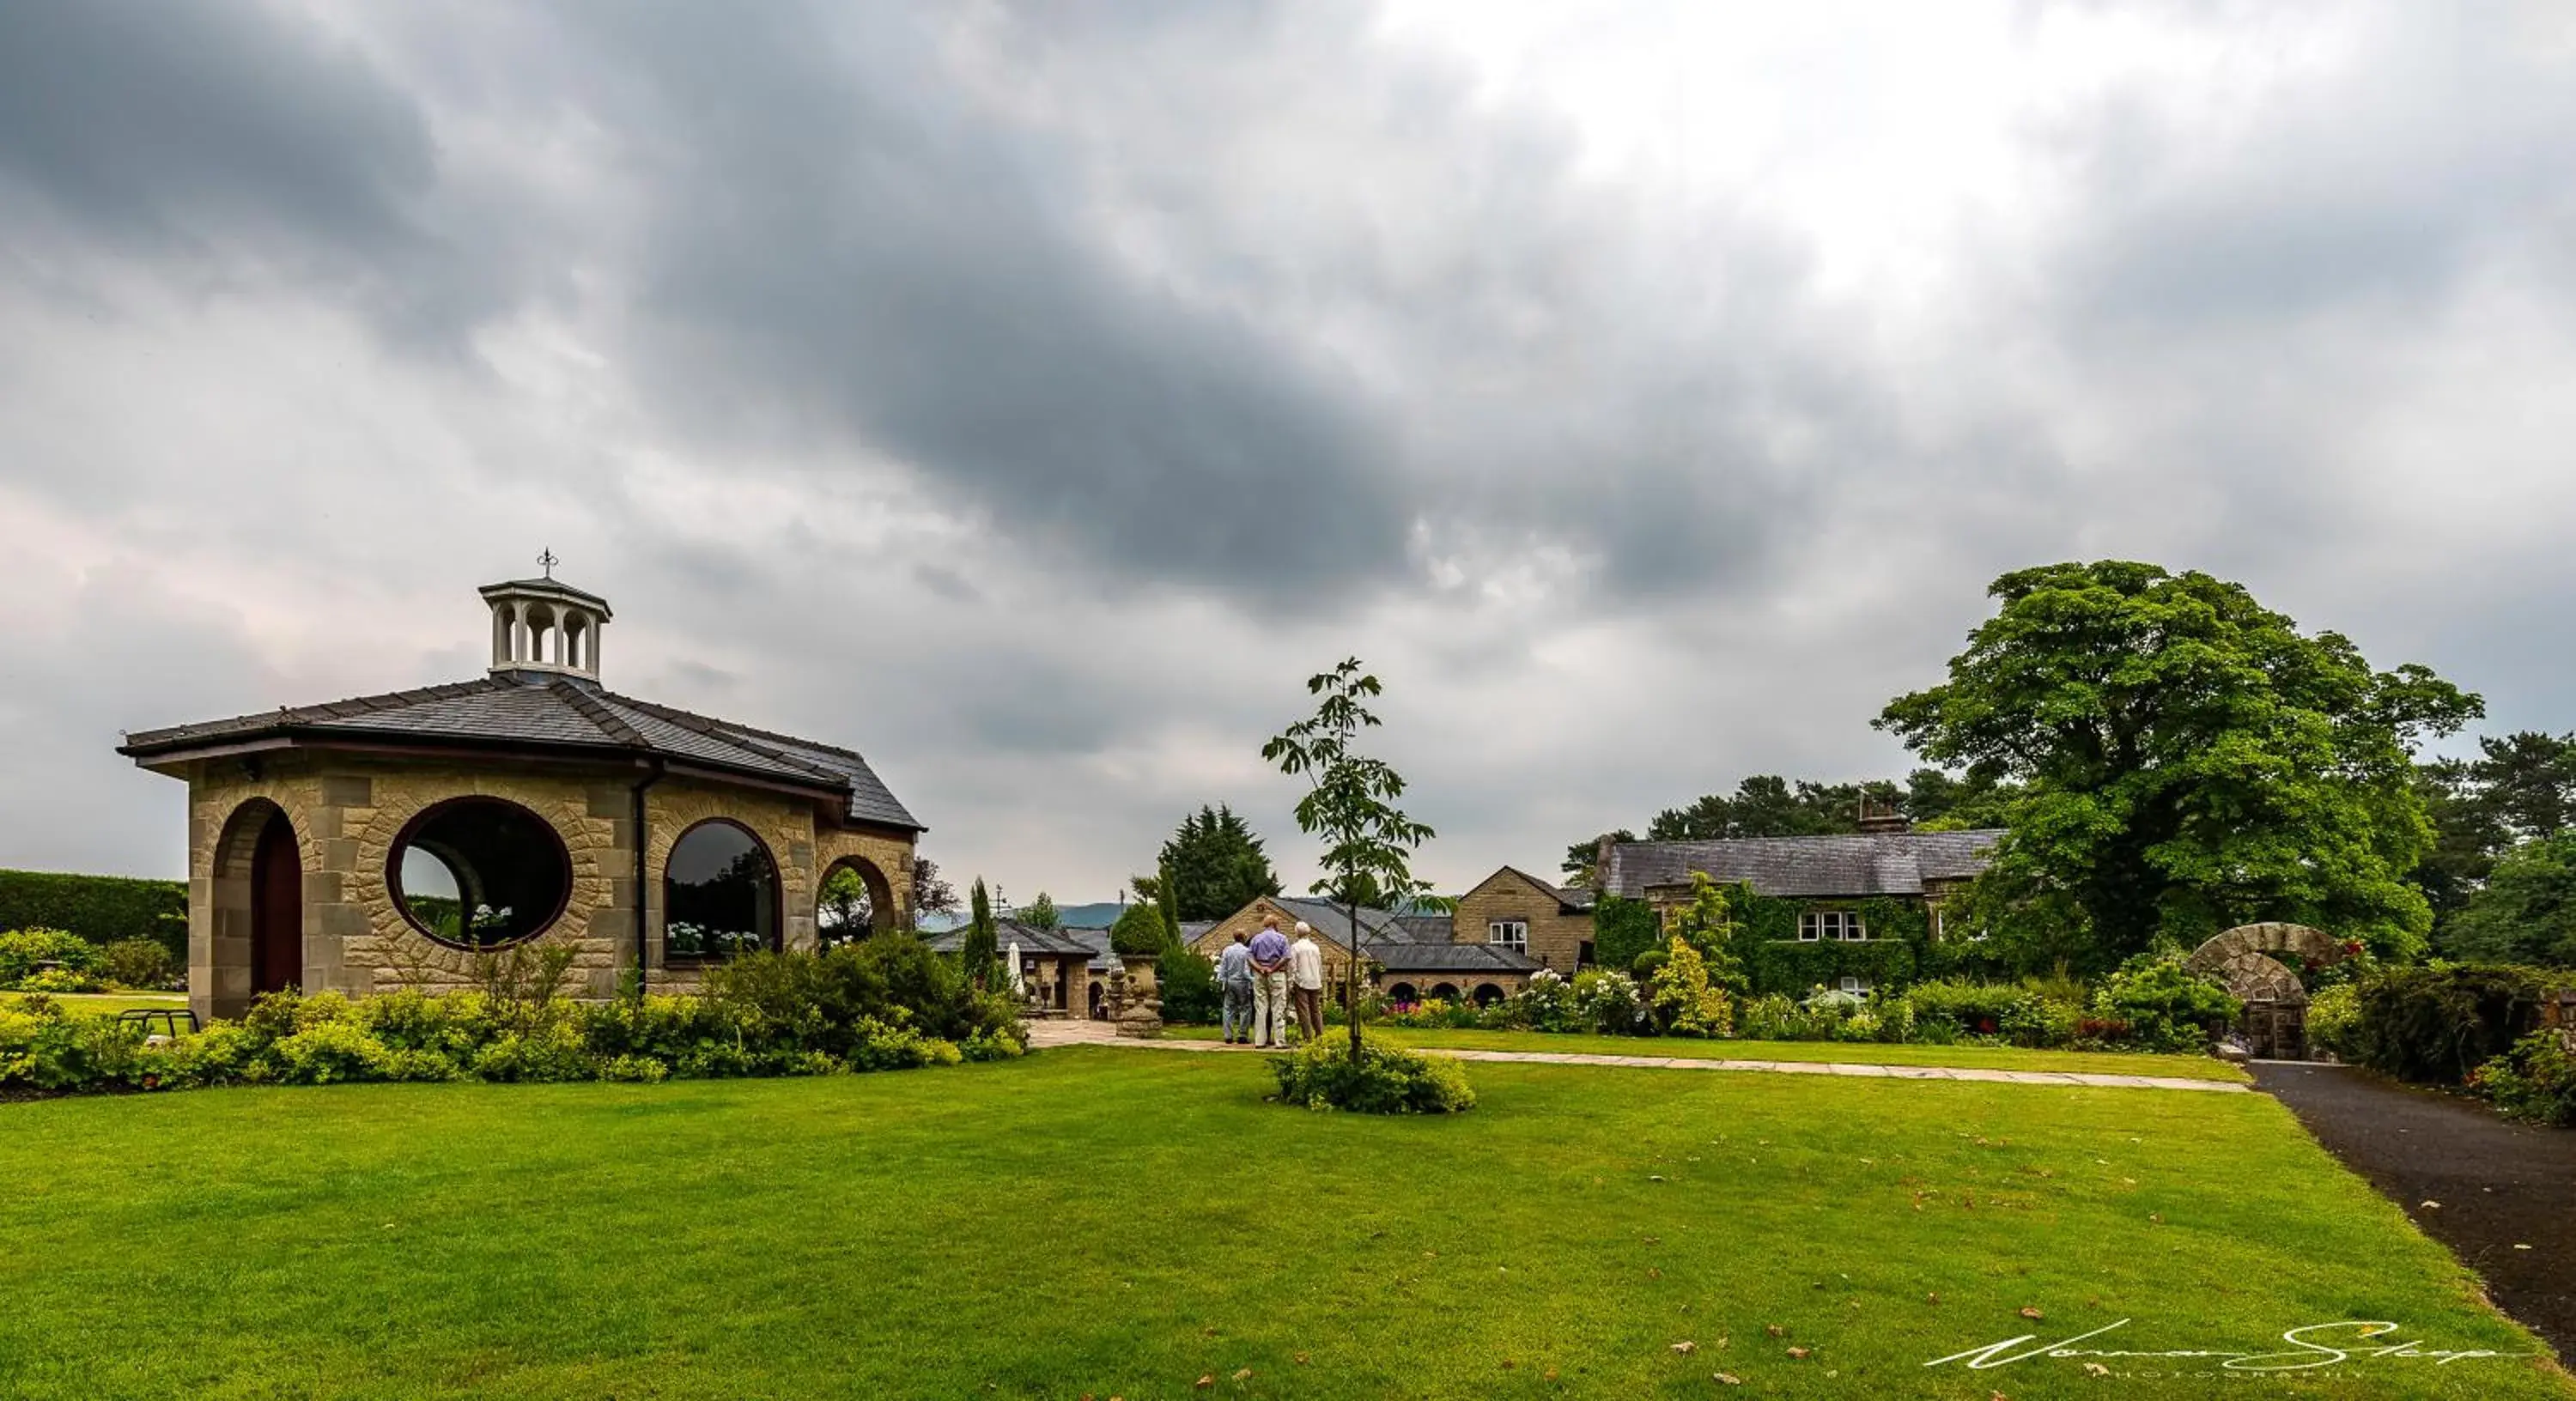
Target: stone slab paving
1081, 1033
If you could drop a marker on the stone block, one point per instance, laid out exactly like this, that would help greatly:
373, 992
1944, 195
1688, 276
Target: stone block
348, 790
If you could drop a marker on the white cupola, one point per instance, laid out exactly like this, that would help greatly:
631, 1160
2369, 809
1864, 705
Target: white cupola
544, 628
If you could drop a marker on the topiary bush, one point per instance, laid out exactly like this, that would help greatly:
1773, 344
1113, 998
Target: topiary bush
1188, 983
1384, 1080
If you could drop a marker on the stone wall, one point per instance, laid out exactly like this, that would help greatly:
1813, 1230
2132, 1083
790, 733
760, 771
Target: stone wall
348, 813
1556, 939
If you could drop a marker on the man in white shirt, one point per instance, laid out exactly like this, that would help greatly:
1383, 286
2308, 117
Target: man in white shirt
1306, 981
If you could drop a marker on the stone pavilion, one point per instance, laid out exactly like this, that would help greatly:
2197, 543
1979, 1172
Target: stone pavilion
407, 839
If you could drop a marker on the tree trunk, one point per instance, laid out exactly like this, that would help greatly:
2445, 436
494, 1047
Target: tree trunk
1352, 980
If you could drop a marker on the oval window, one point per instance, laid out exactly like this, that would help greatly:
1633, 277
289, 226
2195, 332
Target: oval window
479, 873
719, 894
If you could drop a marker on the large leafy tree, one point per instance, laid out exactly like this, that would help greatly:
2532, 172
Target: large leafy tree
2521, 788
2187, 759
1211, 867
1350, 804
2526, 913
931, 892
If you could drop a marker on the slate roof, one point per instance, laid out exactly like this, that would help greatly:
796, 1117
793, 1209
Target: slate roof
558, 714
1329, 918
1451, 958
1861, 864
1031, 939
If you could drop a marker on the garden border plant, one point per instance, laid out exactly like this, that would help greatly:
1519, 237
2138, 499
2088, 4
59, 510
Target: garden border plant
883, 1003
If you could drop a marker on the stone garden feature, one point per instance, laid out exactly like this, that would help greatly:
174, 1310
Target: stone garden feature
2250, 960
399, 840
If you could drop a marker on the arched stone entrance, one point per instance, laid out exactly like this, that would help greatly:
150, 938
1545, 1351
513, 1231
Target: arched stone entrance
255, 936
2256, 962
1487, 994
852, 900
1403, 994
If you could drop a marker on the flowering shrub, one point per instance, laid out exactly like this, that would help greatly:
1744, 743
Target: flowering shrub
2165, 1006
27, 953
1384, 1080
2535, 1081
855, 1007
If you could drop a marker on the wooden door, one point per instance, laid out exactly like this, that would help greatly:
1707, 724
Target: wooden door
276, 909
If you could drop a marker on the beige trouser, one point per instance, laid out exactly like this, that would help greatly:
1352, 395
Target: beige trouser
1310, 1010
1270, 1009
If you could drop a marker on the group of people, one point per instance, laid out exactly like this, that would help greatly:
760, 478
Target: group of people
1266, 975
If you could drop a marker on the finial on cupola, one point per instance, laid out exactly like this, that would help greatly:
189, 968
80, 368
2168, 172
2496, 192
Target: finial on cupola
543, 628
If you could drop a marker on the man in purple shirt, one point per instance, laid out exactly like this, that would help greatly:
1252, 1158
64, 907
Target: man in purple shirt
1270, 985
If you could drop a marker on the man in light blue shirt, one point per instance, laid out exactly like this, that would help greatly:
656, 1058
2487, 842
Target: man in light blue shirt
1234, 981
1270, 985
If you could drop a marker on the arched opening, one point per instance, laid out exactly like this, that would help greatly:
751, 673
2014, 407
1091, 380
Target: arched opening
719, 894
1444, 992
479, 873
853, 901
1487, 994
1403, 994
254, 941
1096, 998
276, 908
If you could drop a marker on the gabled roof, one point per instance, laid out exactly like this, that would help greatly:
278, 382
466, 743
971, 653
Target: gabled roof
1333, 920
560, 715
1859, 864
1568, 901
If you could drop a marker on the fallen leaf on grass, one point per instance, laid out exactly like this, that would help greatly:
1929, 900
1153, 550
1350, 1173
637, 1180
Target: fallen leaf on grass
1775, 1330
1727, 1379
2096, 1369
1244, 1376
1686, 1348
1658, 1274
1301, 1359
1931, 1298
1208, 1332
2031, 1313
1206, 1380
1798, 1353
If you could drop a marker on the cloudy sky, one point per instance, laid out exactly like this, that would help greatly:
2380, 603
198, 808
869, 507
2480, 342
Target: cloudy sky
1031, 397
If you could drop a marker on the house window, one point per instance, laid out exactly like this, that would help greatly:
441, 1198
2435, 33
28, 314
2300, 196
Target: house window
1830, 926
1857, 987
1509, 933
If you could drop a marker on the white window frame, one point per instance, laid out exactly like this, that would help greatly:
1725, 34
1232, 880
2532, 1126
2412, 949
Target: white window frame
1508, 933
1855, 985
1831, 927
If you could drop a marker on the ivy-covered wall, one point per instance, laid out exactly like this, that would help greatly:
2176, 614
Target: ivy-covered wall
1898, 952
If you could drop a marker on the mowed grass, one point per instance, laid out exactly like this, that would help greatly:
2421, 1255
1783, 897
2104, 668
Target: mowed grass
1096, 1221
108, 1004
1840, 1052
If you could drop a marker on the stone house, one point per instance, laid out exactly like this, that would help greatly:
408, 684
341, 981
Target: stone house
1066, 969
1831, 905
1409, 958
406, 839
1514, 909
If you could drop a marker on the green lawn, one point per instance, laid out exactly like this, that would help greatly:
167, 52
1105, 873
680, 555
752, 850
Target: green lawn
1097, 1222
109, 1003
1847, 1053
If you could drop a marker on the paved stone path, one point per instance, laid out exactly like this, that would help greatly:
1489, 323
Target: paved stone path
1083, 1033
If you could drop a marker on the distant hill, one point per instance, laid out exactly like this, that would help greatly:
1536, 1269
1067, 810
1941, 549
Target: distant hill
1098, 916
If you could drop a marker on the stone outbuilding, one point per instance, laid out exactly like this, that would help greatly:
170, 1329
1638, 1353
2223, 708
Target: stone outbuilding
413, 838
1409, 958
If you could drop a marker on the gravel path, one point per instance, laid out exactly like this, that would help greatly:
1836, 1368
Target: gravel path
1082, 1033
2506, 1193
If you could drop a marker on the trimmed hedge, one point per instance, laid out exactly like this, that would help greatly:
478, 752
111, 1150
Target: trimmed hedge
101, 909
2438, 1023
